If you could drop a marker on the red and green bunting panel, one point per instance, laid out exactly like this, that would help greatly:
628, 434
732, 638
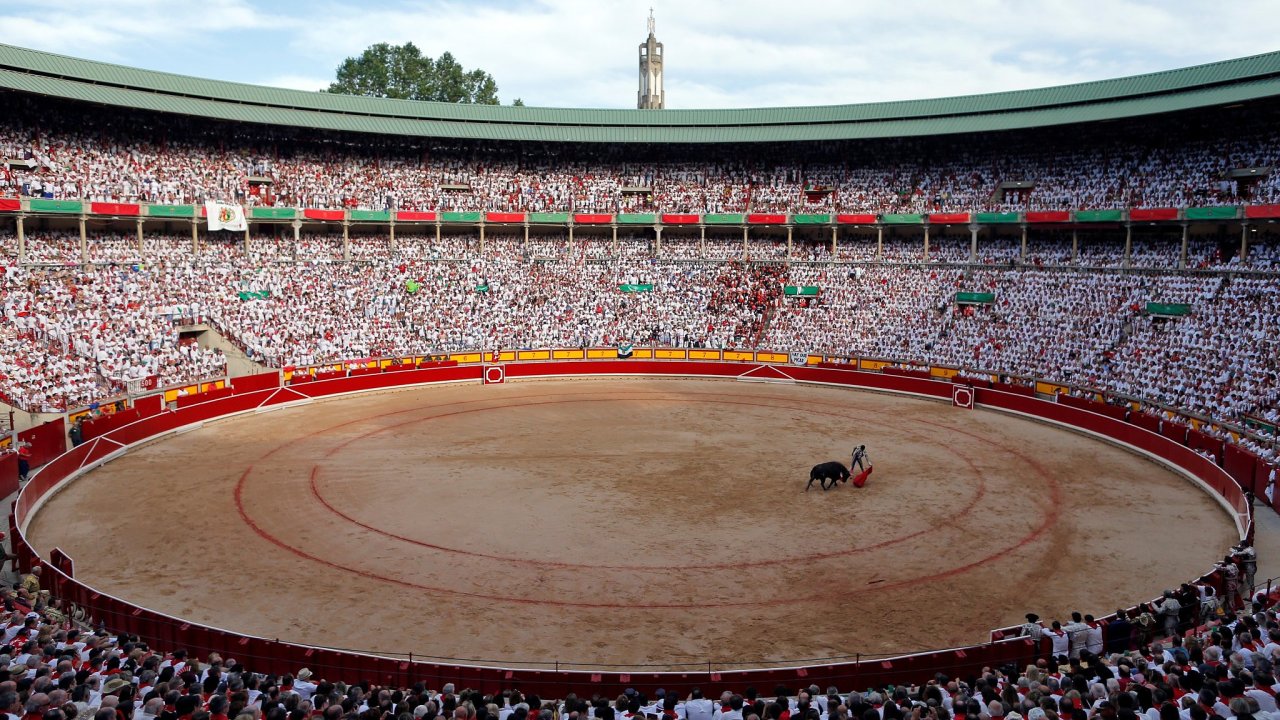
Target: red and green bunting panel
1262, 211
105, 208
592, 219
10, 205
549, 218
171, 211
55, 206
1224, 212
461, 217
1099, 216
766, 219
723, 219
856, 219
1153, 214
503, 217
637, 218
680, 219
369, 216
991, 218
948, 218
902, 218
811, 219
326, 215
415, 216
274, 213
1049, 216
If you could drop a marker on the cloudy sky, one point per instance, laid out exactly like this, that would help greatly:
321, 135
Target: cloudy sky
744, 53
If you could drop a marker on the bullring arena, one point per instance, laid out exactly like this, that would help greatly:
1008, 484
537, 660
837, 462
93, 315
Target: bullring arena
409, 394
630, 522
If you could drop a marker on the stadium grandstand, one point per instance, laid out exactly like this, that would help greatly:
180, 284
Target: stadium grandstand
1110, 248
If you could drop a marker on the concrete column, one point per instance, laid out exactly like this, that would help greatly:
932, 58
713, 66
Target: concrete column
524, 246
139, 237
195, 238
482, 238
437, 233
657, 243
973, 243
526, 234
1075, 246
744, 242
1244, 241
84, 242
346, 241
1186, 231
22, 239
615, 240
926, 243
879, 242
834, 246
1128, 243
246, 238
391, 228
1023, 255
702, 241
788, 242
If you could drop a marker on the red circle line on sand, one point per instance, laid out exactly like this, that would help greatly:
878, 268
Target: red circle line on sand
1048, 520
740, 565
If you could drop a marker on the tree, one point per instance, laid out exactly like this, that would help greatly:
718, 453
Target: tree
404, 73
517, 103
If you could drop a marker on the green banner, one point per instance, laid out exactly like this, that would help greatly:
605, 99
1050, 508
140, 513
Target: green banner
998, 217
975, 298
1168, 309
801, 290
724, 219
811, 219
482, 288
902, 219
272, 213
57, 206
549, 218
636, 287
637, 218
369, 216
254, 294
171, 211
1225, 212
1259, 424
412, 286
1099, 215
461, 217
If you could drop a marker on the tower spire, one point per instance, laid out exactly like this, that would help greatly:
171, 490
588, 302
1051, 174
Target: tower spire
651, 95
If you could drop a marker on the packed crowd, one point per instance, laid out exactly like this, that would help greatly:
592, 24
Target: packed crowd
62, 150
1194, 654
75, 334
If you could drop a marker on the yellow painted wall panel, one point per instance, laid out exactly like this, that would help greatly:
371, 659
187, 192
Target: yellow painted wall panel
773, 357
533, 355
943, 372
704, 354
667, 354
739, 355
466, 357
602, 353
567, 354
642, 353
871, 364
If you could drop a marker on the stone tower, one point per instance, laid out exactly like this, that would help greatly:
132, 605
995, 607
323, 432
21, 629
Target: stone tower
651, 95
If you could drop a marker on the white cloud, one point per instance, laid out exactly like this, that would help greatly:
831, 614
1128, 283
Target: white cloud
719, 53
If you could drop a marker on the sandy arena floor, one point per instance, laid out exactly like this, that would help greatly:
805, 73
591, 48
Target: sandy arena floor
630, 521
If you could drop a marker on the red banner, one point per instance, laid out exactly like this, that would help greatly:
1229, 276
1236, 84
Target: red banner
680, 219
1262, 211
104, 208
592, 218
948, 218
1153, 214
1049, 216
857, 219
415, 216
766, 219
10, 204
504, 217
327, 215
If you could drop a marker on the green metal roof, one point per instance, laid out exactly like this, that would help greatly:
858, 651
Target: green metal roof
1226, 82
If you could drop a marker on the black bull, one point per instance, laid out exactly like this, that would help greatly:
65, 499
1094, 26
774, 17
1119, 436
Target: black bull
828, 471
